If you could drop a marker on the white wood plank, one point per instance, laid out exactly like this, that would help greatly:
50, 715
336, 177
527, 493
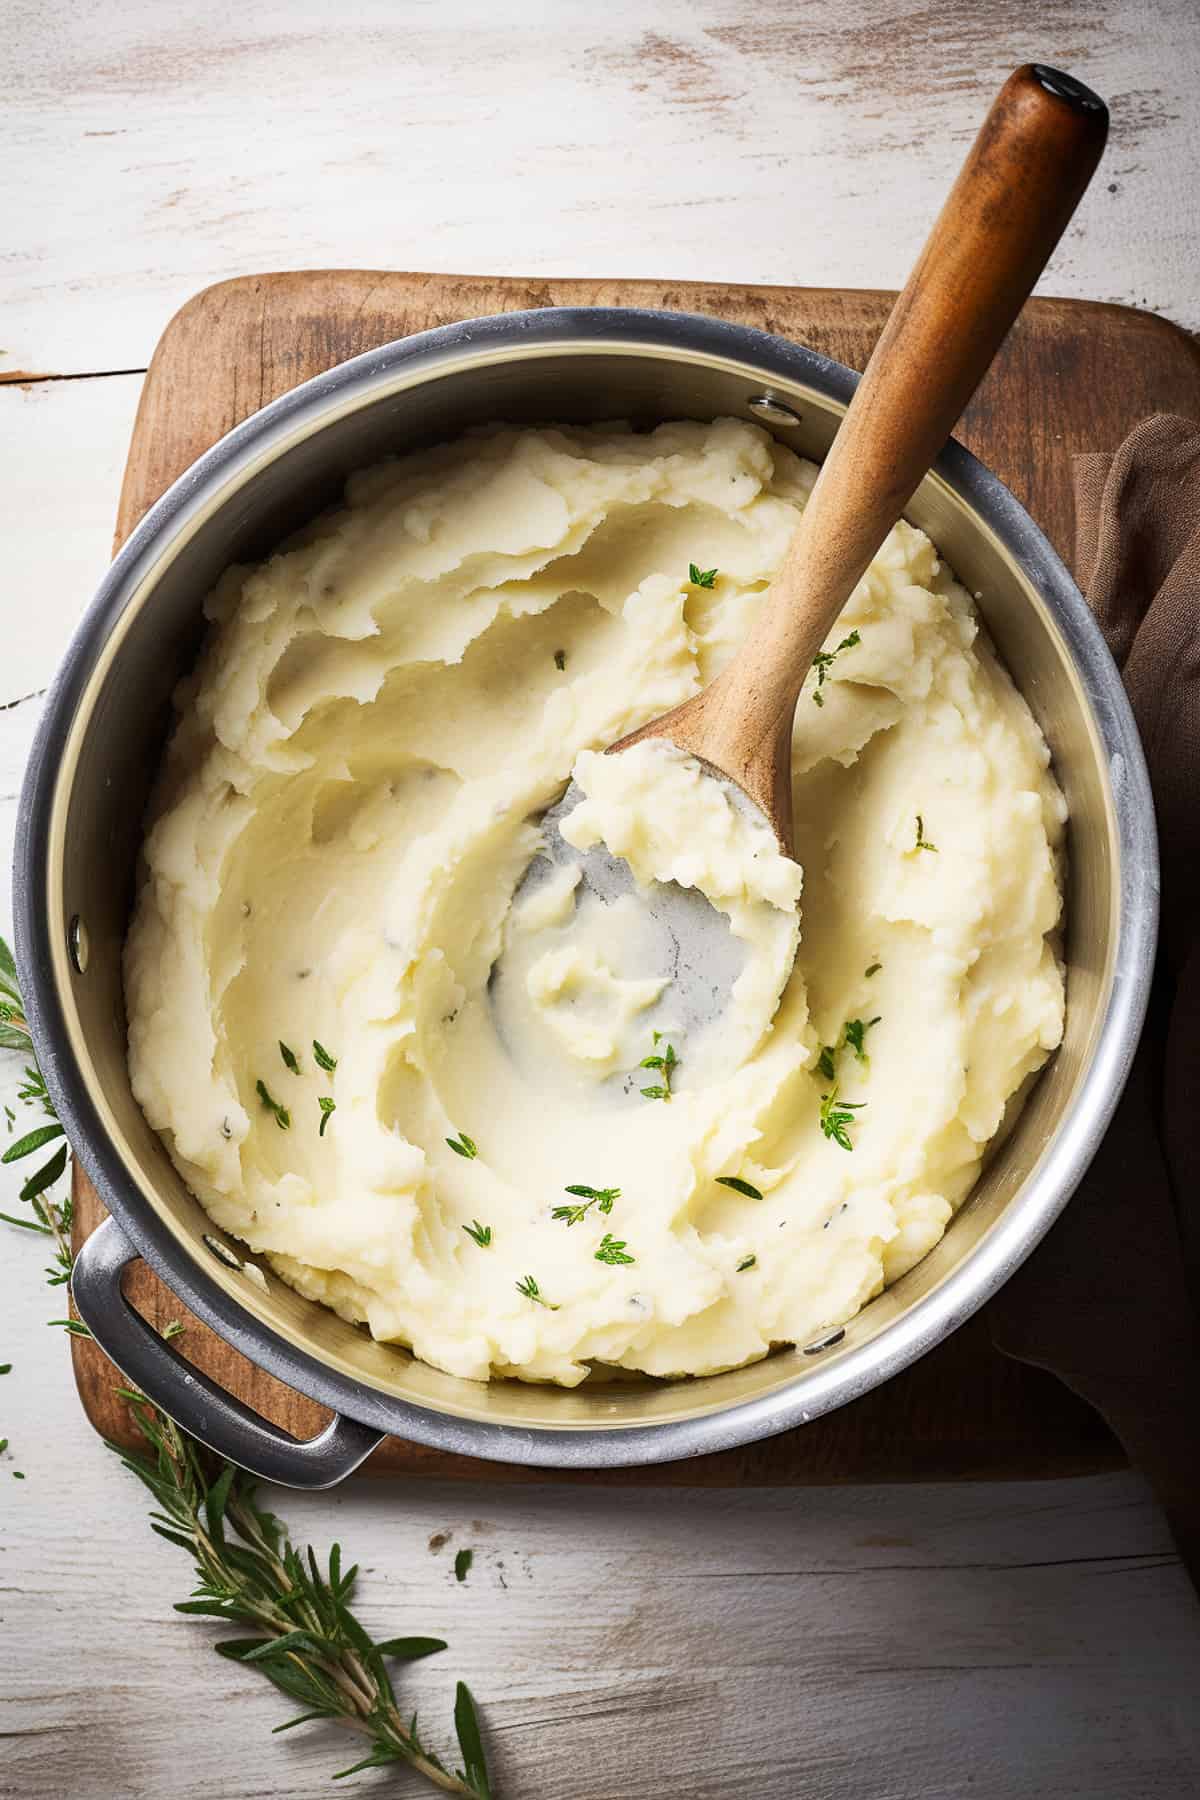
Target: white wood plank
169, 147
62, 450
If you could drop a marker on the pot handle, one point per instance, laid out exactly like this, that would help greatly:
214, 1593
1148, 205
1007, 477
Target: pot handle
195, 1402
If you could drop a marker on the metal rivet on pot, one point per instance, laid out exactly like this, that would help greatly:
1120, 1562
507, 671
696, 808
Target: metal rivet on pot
223, 1253
77, 944
774, 410
825, 1343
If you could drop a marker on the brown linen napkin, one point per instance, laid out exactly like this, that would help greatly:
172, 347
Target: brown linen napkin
1104, 1302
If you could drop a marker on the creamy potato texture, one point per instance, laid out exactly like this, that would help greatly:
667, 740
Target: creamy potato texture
348, 806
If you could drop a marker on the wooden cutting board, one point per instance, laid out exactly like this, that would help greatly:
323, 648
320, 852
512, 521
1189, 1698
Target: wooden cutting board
1073, 376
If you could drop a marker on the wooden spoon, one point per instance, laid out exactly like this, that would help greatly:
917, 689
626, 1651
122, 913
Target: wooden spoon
1021, 182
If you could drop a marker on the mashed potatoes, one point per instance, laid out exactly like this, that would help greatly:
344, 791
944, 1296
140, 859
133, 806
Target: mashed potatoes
346, 812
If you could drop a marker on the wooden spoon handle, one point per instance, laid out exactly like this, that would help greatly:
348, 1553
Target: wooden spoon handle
1021, 182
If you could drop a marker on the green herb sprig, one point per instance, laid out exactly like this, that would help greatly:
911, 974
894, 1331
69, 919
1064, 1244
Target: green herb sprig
328, 1106
824, 660
613, 1250
666, 1062
290, 1059
599, 1197
837, 1116
462, 1145
702, 578
922, 842
304, 1637
322, 1058
482, 1234
529, 1289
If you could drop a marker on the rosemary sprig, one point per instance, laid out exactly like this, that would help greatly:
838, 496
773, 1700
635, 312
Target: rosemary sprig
601, 1197
702, 578
305, 1639
824, 660
481, 1233
666, 1062
462, 1145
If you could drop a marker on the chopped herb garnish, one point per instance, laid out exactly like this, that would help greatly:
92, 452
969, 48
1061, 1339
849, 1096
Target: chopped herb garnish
482, 1234
5, 1368
290, 1058
825, 1062
3, 1445
666, 1063
702, 578
747, 1262
560, 659
175, 1329
853, 1033
462, 1564
824, 660
873, 970
323, 1059
283, 1117
612, 1250
462, 1145
739, 1186
529, 1288
601, 1197
837, 1117
328, 1106
922, 842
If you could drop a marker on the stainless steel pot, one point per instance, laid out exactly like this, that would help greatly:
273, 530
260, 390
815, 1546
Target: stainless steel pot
80, 827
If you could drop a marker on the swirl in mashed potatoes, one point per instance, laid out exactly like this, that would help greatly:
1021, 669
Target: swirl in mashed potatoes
347, 807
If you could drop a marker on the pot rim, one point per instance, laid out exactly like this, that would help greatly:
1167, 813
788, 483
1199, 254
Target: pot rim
926, 1321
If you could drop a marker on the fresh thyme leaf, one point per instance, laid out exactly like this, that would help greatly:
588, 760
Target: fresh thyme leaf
601, 1197
838, 1116
825, 1062
739, 1186
482, 1234
5, 1368
666, 1062
283, 1117
747, 1262
462, 1145
322, 1058
702, 578
462, 1564
853, 1033
529, 1288
922, 842
612, 1250
873, 970
824, 660
560, 659
290, 1058
3, 1445
328, 1106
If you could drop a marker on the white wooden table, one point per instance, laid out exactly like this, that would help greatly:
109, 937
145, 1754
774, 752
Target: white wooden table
861, 1644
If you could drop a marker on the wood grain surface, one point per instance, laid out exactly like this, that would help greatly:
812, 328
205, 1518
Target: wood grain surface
1073, 376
